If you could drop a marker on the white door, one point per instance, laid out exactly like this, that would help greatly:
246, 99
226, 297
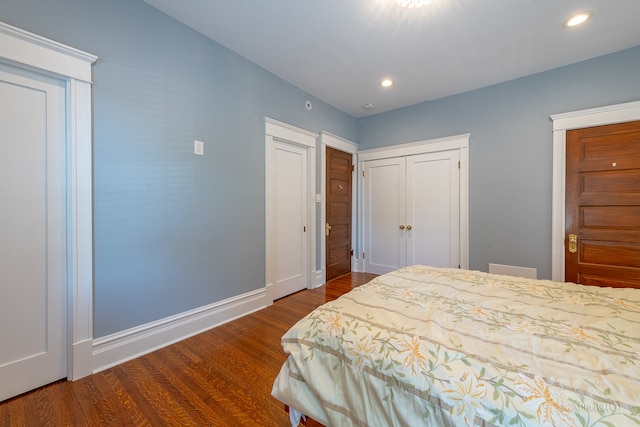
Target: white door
32, 231
411, 211
290, 201
384, 215
433, 209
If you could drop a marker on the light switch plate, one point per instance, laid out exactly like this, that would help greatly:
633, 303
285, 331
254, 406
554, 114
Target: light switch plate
198, 148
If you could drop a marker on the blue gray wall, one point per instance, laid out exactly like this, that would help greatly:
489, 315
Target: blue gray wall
510, 149
173, 231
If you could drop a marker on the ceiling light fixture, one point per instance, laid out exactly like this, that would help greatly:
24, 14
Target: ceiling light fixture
577, 19
413, 3
386, 83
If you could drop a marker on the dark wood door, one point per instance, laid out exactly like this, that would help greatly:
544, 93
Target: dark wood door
338, 215
602, 241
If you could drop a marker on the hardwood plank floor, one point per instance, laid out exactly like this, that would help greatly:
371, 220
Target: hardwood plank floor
222, 377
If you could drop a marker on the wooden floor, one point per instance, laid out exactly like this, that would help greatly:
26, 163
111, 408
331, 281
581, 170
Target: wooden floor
222, 377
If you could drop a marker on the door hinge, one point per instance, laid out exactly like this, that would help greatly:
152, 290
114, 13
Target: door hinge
353, 167
362, 255
458, 164
351, 252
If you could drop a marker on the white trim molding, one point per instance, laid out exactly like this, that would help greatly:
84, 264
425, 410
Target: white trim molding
611, 114
41, 54
38, 54
127, 345
288, 132
278, 131
419, 147
329, 140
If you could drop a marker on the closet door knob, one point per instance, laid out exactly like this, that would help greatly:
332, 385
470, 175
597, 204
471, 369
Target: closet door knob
409, 227
402, 227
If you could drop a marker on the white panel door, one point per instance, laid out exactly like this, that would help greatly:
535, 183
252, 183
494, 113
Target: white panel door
291, 195
433, 209
32, 231
384, 215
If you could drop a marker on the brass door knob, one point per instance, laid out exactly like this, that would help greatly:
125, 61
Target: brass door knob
409, 227
402, 227
573, 243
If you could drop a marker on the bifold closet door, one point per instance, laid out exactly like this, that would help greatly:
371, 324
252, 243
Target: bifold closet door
384, 215
411, 211
433, 209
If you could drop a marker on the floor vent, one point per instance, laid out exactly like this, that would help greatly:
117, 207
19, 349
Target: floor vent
512, 270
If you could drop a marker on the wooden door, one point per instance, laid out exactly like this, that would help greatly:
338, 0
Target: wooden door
291, 246
384, 215
433, 209
33, 334
338, 214
603, 205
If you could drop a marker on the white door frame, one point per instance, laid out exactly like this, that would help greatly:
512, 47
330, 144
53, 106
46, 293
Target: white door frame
455, 142
329, 140
278, 131
610, 114
32, 52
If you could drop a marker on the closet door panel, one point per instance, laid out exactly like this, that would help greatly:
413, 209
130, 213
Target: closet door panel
384, 214
433, 206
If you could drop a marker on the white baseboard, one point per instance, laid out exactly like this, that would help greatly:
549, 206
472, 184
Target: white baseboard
318, 278
126, 345
357, 265
81, 361
270, 293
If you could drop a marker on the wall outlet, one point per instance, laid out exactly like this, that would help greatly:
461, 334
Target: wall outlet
198, 148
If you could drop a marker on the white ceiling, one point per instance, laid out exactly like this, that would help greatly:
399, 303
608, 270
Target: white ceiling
338, 50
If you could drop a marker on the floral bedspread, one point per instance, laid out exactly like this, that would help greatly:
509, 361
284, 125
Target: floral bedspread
448, 347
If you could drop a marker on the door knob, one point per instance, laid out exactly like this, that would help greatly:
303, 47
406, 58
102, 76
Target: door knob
573, 243
327, 228
409, 227
401, 227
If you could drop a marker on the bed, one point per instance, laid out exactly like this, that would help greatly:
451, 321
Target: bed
425, 346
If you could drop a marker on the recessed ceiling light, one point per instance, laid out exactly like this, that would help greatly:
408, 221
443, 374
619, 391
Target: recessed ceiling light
386, 83
577, 19
369, 106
